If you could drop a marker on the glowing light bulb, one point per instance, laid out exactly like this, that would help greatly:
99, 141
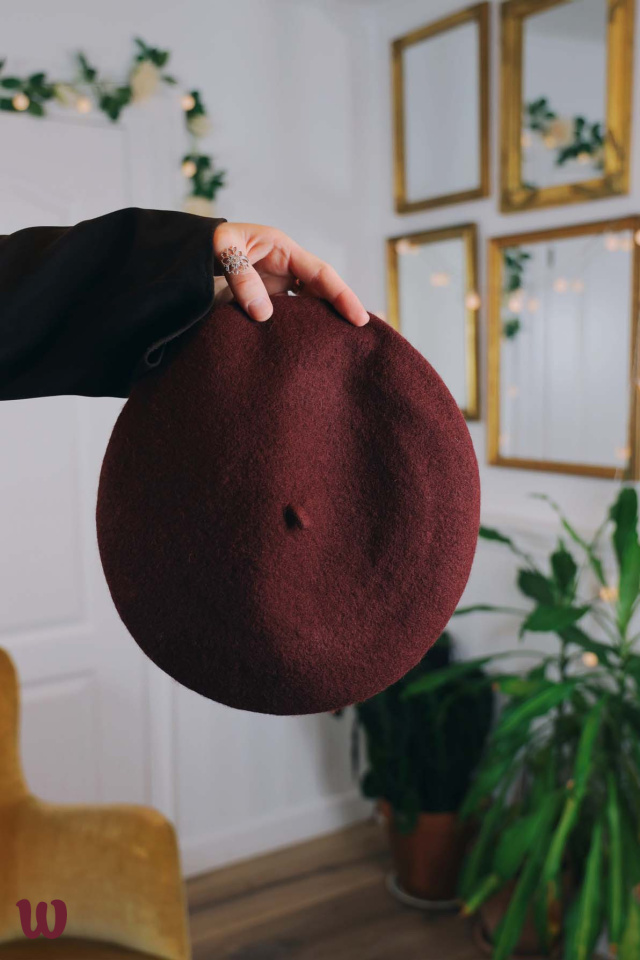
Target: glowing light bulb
515, 302
503, 440
187, 102
561, 285
626, 244
513, 391
472, 300
21, 102
533, 304
440, 279
526, 140
622, 454
590, 659
189, 169
550, 141
583, 158
83, 105
403, 246
577, 286
611, 242
608, 594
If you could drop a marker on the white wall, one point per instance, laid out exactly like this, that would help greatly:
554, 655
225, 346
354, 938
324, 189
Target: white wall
279, 79
505, 493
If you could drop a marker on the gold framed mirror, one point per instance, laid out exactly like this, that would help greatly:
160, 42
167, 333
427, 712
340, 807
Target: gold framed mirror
441, 143
434, 303
563, 349
566, 85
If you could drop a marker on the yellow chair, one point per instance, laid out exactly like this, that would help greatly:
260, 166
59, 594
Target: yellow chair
115, 867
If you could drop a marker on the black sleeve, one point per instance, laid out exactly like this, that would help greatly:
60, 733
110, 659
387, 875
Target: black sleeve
87, 309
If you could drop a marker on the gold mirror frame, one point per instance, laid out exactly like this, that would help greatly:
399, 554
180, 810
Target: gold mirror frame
495, 264
615, 179
479, 14
468, 234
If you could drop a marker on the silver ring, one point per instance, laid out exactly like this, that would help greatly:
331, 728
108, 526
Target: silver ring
234, 261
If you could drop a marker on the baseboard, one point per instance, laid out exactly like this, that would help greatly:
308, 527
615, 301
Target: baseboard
290, 825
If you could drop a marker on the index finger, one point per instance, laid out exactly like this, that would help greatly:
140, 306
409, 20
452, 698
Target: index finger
321, 280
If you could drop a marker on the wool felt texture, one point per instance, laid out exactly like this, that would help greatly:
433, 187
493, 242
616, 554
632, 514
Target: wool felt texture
288, 511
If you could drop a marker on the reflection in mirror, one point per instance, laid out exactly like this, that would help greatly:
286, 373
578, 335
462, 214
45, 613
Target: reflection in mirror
566, 93
441, 142
562, 337
433, 302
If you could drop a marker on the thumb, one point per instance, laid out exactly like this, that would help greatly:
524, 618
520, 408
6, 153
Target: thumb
245, 283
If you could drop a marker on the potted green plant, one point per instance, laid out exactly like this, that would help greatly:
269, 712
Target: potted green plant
557, 856
421, 755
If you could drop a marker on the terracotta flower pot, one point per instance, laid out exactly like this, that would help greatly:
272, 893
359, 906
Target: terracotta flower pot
528, 946
427, 861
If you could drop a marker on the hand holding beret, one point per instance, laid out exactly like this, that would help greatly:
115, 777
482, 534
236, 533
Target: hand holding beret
288, 511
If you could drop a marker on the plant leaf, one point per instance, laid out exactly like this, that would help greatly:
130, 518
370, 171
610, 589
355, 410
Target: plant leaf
552, 619
474, 861
564, 570
511, 925
525, 712
581, 772
624, 514
616, 868
630, 943
589, 913
536, 586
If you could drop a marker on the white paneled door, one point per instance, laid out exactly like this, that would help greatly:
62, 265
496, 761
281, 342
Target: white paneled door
85, 718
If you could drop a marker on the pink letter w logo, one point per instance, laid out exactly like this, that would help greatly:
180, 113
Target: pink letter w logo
60, 910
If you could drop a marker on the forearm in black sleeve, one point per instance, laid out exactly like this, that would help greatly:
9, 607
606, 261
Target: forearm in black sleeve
87, 309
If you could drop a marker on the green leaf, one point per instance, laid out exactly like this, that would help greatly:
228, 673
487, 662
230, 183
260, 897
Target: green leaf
486, 888
485, 608
438, 678
11, 83
525, 712
630, 943
536, 586
578, 637
564, 570
581, 772
474, 862
624, 514
508, 932
616, 867
513, 845
488, 533
546, 619
595, 562
35, 109
589, 913
629, 585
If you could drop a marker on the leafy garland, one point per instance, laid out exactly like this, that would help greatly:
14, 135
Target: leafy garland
572, 138
514, 261
89, 90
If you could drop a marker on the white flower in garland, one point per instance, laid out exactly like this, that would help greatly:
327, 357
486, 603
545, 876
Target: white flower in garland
65, 94
199, 125
144, 81
561, 130
199, 205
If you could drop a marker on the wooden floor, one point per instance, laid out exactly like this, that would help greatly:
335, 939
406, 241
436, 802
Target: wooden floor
321, 900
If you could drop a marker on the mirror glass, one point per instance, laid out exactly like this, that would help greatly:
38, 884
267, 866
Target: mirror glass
565, 346
564, 93
436, 305
441, 141
442, 134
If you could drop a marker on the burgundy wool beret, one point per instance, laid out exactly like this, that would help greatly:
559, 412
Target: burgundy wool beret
288, 511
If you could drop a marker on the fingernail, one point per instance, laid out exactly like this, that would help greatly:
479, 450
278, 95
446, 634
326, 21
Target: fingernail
364, 317
259, 309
